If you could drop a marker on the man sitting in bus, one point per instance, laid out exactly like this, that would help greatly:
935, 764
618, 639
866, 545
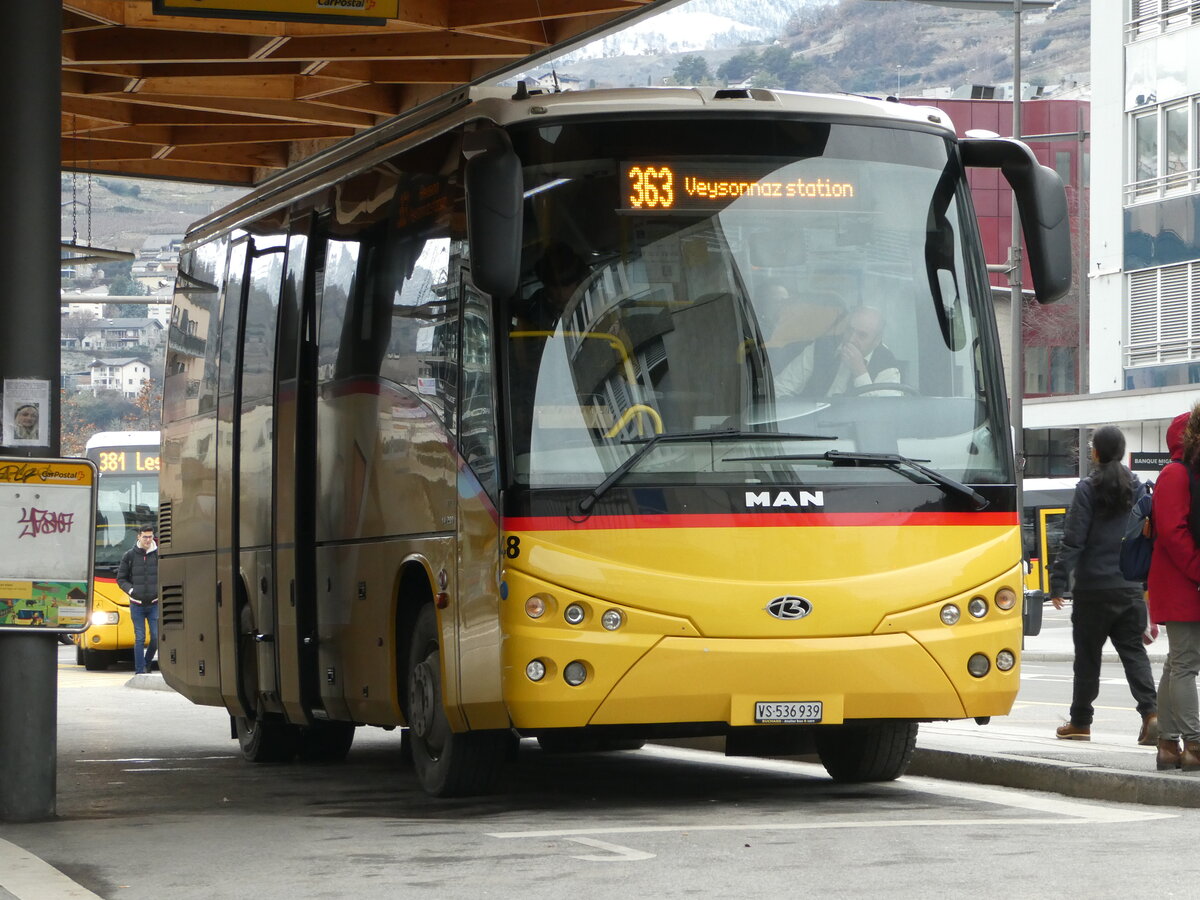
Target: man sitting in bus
846, 361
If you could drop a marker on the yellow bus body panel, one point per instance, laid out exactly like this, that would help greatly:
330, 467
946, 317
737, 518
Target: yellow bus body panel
697, 644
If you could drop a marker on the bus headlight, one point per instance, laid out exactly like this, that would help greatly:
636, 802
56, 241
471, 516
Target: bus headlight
978, 665
1005, 660
1006, 598
99, 617
574, 613
977, 607
950, 614
612, 619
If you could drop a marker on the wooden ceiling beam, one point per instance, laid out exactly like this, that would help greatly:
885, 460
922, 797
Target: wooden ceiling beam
281, 110
254, 156
376, 99
204, 173
399, 71
440, 45
123, 45
476, 13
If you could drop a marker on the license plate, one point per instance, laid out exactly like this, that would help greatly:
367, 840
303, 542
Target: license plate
788, 711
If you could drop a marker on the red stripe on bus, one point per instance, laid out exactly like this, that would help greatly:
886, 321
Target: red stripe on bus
757, 520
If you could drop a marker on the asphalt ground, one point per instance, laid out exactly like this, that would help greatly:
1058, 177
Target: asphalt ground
1018, 751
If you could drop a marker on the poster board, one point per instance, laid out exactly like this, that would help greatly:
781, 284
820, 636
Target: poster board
47, 543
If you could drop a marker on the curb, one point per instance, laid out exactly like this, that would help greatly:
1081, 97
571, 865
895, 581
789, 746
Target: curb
1061, 656
1071, 779
148, 681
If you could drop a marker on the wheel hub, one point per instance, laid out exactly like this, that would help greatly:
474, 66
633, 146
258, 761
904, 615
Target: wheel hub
422, 695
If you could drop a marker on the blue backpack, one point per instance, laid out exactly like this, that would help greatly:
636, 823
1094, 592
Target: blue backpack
1137, 543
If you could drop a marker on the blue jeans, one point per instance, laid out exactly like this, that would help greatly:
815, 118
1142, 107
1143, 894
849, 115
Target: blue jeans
141, 614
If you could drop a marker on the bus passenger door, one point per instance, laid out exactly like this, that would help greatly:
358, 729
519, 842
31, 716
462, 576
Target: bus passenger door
1050, 524
295, 636
255, 464
478, 620
231, 605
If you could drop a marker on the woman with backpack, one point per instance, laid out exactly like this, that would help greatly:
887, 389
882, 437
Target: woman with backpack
1174, 581
1106, 606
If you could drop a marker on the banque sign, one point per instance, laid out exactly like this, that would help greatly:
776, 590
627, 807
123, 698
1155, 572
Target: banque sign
47, 516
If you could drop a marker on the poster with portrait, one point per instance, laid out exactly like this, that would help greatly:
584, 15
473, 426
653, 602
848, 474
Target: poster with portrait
26, 412
47, 523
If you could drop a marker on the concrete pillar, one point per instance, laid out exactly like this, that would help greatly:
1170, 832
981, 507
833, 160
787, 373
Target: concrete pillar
30, 107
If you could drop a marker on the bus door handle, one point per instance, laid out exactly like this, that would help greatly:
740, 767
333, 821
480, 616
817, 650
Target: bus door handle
261, 638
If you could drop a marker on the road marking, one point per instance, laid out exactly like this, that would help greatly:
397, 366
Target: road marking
1056, 811
616, 853
28, 878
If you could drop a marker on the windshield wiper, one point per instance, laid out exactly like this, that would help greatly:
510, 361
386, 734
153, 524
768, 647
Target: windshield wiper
672, 437
896, 463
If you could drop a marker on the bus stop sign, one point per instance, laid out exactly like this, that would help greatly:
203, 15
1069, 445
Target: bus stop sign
47, 511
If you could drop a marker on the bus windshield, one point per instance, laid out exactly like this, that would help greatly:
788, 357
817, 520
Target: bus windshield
799, 277
124, 503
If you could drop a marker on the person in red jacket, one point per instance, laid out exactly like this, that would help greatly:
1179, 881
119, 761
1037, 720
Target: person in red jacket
1173, 592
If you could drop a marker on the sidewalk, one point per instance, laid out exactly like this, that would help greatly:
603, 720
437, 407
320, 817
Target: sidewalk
1020, 750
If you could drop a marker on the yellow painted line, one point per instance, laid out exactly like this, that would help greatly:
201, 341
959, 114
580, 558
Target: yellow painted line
27, 877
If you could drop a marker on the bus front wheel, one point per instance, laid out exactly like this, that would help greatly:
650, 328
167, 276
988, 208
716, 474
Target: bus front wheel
447, 764
97, 660
266, 741
879, 751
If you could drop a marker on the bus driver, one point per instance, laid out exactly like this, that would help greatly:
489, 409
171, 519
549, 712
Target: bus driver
846, 360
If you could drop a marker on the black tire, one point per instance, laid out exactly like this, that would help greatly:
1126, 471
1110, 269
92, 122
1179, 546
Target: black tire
79, 654
877, 752
447, 764
96, 660
326, 742
567, 742
266, 741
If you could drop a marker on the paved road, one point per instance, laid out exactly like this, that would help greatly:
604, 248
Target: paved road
154, 802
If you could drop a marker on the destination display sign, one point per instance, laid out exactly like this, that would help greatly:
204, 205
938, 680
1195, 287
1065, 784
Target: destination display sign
124, 460
699, 185
47, 547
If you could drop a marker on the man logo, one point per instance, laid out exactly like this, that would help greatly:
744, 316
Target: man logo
789, 607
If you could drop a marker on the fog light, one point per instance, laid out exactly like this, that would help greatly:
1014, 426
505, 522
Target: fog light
978, 665
1006, 598
574, 614
977, 607
950, 614
612, 619
1005, 660
535, 670
575, 673
99, 617
535, 606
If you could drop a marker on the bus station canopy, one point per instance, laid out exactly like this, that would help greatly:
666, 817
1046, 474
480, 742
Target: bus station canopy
234, 100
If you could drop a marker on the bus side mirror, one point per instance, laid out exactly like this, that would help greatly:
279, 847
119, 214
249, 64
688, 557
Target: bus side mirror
495, 204
1042, 204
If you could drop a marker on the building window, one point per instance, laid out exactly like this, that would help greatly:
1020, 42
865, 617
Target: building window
1145, 149
1052, 453
1164, 322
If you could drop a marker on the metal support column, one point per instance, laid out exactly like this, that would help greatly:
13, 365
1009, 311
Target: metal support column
29, 350
1017, 365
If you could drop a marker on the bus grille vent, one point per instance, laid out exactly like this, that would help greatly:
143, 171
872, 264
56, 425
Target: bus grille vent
172, 605
164, 522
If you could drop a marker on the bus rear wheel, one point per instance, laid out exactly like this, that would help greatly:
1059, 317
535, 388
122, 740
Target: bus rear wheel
879, 751
447, 764
327, 742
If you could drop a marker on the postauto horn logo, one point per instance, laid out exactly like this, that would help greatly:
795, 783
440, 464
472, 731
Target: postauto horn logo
789, 607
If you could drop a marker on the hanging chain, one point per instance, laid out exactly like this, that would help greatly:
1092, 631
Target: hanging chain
89, 188
75, 186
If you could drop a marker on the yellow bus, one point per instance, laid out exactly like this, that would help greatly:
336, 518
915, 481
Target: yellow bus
1045, 501
126, 500
537, 415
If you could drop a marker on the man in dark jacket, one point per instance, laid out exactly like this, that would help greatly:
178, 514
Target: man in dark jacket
137, 576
